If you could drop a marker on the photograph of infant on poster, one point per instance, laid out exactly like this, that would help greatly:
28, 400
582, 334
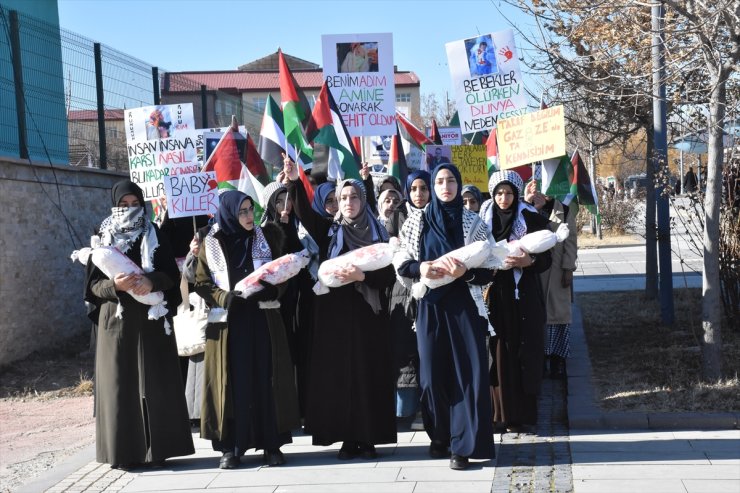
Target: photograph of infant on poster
357, 57
158, 124
481, 55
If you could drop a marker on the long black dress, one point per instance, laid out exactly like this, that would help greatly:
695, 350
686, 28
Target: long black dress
351, 379
140, 411
518, 347
249, 395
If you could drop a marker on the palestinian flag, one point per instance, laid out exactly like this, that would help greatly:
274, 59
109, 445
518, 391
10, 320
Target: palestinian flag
357, 144
411, 134
232, 174
524, 171
492, 153
296, 110
582, 185
556, 178
434, 133
397, 160
567, 179
254, 163
327, 128
273, 143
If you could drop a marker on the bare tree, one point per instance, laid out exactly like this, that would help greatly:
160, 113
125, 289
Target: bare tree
713, 28
597, 56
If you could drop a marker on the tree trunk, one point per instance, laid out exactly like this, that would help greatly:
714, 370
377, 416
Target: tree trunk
711, 302
651, 243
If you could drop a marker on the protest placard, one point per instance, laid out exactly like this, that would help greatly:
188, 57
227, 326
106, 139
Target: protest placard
532, 137
358, 69
487, 80
158, 122
150, 161
191, 194
451, 136
471, 161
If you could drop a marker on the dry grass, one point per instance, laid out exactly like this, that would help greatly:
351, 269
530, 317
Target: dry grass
587, 240
62, 371
640, 365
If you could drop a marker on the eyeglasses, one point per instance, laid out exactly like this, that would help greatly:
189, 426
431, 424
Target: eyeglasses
245, 212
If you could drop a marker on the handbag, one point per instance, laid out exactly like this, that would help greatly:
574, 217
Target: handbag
190, 322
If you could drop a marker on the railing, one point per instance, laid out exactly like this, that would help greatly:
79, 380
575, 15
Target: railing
62, 96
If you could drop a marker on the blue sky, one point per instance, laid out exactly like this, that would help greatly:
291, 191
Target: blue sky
179, 35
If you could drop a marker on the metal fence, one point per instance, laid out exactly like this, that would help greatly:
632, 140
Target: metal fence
62, 96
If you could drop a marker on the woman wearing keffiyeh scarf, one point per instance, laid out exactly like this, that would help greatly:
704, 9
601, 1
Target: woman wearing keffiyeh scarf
249, 391
451, 324
516, 306
140, 411
350, 398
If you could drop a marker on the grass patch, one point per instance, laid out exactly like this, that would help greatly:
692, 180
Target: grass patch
640, 365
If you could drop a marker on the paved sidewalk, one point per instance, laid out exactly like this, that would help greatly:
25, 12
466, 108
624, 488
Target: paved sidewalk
575, 449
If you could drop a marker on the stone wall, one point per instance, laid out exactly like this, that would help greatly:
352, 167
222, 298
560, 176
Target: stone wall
45, 213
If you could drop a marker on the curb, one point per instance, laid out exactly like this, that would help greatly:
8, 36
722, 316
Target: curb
584, 414
53, 476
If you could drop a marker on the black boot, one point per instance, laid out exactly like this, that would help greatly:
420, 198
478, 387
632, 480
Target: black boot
557, 368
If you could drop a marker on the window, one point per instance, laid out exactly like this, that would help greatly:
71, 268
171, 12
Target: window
403, 97
259, 104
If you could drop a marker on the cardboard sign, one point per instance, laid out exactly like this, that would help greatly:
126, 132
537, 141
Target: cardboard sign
191, 194
150, 161
532, 137
487, 80
471, 161
358, 69
158, 122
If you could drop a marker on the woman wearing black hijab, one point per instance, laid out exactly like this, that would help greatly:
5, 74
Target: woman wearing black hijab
249, 395
451, 324
516, 306
350, 396
296, 303
140, 412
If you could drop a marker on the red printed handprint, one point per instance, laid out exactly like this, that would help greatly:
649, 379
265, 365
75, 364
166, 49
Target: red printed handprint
506, 53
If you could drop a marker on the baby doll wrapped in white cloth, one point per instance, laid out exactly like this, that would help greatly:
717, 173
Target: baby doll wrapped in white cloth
474, 255
537, 242
274, 272
368, 258
111, 262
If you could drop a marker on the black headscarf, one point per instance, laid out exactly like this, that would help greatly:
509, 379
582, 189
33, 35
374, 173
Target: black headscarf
442, 231
126, 187
475, 191
503, 219
413, 176
321, 193
235, 236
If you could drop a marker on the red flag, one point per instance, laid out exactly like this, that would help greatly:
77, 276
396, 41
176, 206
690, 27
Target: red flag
435, 136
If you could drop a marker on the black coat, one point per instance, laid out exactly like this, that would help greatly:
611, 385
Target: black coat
140, 410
